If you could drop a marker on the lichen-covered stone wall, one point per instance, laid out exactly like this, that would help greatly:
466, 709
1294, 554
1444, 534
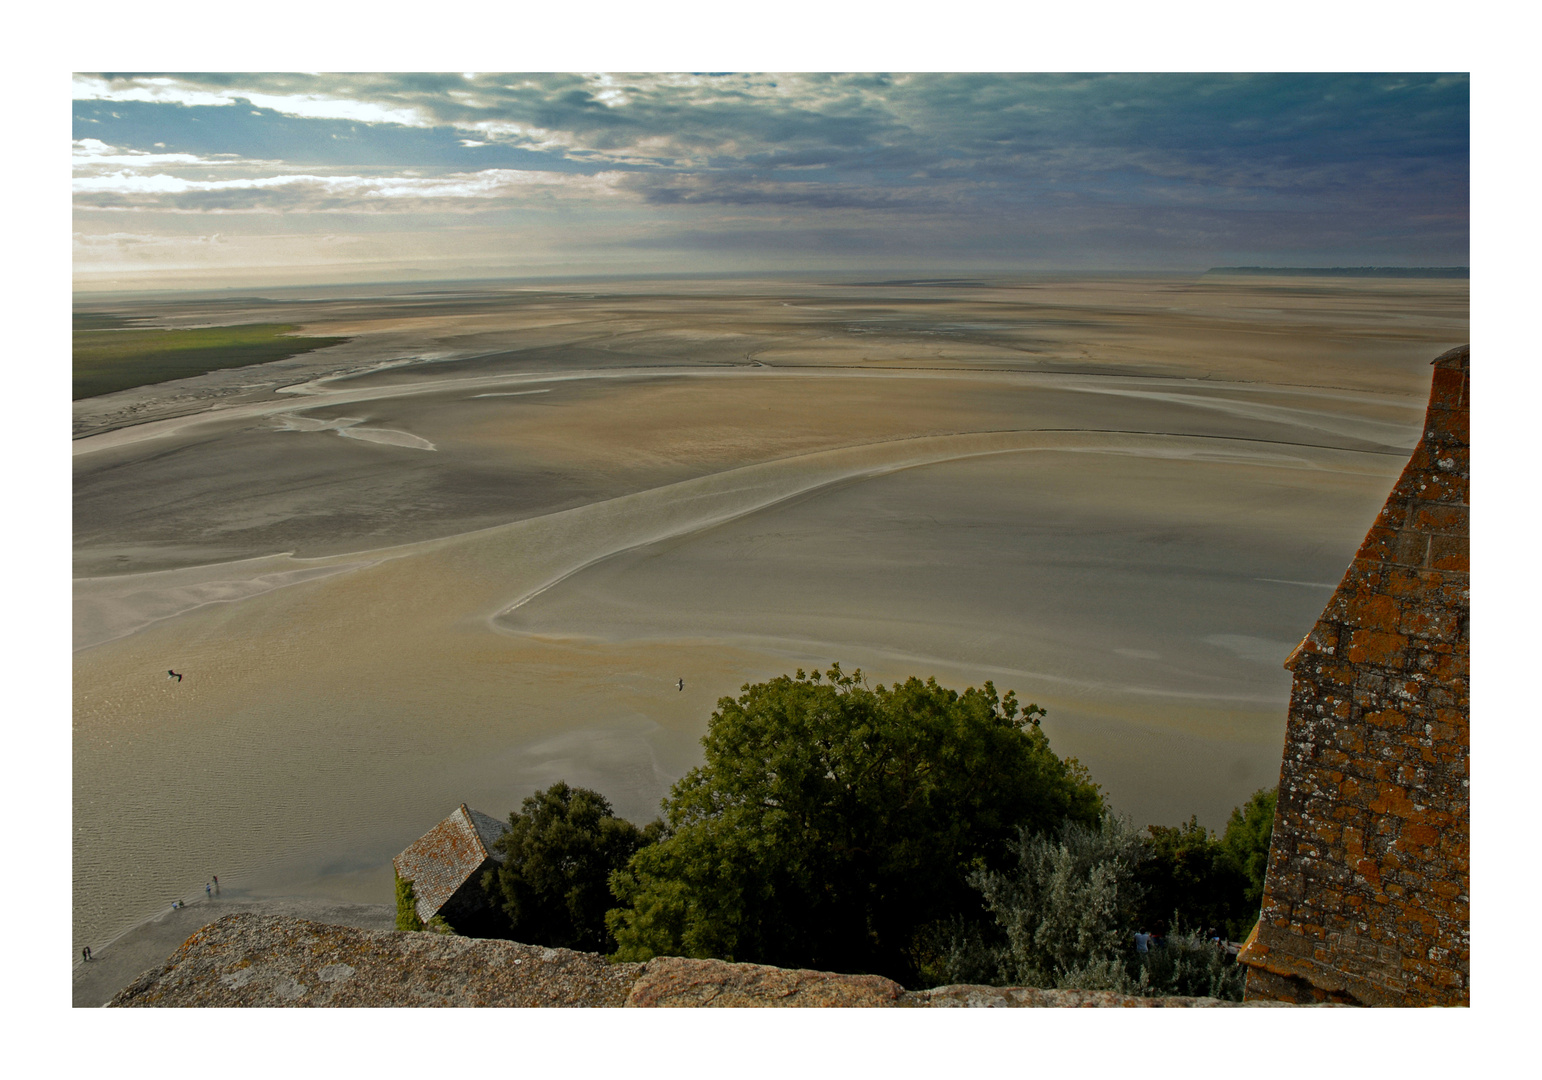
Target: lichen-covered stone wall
1366, 898
265, 961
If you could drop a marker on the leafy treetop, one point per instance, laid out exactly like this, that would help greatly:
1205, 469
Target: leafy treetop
558, 855
832, 822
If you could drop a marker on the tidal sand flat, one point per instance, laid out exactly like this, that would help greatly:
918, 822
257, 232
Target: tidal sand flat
1126, 499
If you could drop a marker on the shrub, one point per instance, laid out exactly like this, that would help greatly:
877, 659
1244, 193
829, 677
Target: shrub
1190, 965
407, 911
1064, 917
406, 906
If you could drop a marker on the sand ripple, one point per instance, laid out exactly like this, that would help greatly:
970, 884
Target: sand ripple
349, 428
114, 607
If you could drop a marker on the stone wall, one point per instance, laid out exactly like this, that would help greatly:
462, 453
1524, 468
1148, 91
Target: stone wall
267, 961
1366, 898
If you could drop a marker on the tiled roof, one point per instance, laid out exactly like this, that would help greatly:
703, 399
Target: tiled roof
488, 828
440, 861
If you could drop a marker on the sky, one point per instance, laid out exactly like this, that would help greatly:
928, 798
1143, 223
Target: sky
186, 180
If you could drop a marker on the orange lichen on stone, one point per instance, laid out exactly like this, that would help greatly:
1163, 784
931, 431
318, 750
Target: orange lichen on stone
1365, 898
1377, 648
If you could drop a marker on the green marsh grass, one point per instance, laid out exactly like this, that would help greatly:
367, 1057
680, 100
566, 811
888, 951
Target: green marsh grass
118, 359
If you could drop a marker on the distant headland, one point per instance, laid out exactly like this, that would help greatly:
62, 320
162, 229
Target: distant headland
1344, 271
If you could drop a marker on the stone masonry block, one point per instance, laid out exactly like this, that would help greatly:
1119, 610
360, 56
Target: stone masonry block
1430, 624
1377, 648
1378, 545
1412, 548
1446, 389
1374, 611
1440, 518
1449, 553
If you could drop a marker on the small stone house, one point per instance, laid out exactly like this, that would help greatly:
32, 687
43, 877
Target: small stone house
1366, 894
446, 864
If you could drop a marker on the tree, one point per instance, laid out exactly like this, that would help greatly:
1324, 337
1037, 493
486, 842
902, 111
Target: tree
1248, 833
1188, 878
832, 823
1210, 883
559, 852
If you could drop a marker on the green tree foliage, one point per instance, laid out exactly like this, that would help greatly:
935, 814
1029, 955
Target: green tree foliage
1248, 833
559, 853
1205, 882
832, 823
1189, 878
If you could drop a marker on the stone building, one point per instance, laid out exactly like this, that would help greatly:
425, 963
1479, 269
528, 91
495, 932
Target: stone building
1366, 897
445, 866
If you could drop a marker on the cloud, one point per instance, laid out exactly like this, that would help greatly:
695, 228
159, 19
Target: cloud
88, 154
172, 90
1006, 125
301, 192
734, 189
817, 162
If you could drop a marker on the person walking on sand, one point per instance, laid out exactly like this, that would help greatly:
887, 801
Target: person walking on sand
208, 890
680, 685
172, 675
86, 954
216, 883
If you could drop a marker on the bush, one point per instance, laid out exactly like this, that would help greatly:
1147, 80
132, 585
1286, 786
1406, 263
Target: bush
406, 906
1189, 965
833, 824
1064, 917
407, 912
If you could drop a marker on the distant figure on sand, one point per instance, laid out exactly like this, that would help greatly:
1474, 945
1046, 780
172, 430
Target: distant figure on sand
216, 883
681, 685
86, 954
208, 890
172, 675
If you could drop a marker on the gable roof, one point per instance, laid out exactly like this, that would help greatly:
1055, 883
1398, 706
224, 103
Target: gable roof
441, 860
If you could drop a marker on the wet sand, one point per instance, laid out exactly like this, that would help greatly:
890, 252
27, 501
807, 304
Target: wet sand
1126, 500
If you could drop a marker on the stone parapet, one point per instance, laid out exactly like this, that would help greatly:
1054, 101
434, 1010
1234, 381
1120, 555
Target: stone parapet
246, 960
